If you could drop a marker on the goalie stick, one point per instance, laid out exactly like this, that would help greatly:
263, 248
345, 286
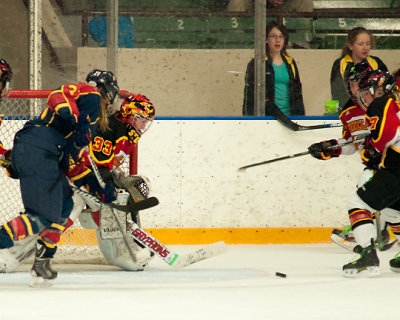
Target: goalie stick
147, 240
131, 206
173, 259
103, 185
358, 138
286, 122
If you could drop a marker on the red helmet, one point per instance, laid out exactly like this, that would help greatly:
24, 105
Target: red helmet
137, 111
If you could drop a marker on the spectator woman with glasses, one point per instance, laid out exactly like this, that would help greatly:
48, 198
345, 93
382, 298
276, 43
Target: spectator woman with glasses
283, 88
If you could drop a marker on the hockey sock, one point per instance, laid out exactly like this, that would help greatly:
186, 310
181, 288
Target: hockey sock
17, 229
49, 237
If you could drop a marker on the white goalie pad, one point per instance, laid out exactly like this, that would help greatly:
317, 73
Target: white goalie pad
12, 258
116, 252
111, 242
109, 227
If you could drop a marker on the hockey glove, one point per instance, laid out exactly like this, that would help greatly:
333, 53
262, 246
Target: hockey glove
82, 131
6, 163
106, 195
370, 156
109, 194
325, 150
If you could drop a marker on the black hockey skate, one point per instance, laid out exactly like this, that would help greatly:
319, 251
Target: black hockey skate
367, 264
42, 273
395, 263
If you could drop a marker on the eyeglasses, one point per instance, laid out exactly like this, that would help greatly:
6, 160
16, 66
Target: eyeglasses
276, 37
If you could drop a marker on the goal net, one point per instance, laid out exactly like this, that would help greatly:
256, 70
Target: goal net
78, 245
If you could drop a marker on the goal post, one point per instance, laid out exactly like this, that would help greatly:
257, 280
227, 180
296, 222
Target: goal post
77, 245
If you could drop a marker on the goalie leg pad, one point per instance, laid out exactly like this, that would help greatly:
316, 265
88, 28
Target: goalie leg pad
22, 250
89, 219
115, 251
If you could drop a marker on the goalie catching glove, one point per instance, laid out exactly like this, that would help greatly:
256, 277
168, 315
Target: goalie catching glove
370, 156
325, 150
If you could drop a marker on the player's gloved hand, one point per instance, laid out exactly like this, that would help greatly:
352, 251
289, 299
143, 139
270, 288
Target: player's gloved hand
82, 131
325, 150
5, 156
370, 156
108, 194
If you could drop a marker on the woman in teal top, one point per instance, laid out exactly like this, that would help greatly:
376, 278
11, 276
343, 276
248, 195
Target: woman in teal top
282, 81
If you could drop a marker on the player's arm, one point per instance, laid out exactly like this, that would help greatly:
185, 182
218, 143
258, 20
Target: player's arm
63, 102
384, 126
82, 175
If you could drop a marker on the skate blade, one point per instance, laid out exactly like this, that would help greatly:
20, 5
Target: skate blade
38, 282
397, 270
369, 272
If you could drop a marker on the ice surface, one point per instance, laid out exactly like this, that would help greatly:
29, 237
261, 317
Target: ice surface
240, 284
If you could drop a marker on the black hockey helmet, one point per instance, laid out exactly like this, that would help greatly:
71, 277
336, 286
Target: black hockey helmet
105, 81
5, 74
376, 79
354, 74
373, 80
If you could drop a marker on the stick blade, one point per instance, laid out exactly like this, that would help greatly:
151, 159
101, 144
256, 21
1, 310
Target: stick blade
144, 204
206, 252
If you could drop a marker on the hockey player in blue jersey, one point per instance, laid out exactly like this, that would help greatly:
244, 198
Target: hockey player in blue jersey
41, 156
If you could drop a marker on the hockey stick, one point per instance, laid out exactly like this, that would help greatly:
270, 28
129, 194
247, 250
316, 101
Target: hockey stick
286, 122
131, 206
295, 155
147, 240
103, 185
95, 169
358, 138
173, 259
379, 243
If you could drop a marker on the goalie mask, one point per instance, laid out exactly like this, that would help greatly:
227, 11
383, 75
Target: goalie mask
138, 112
374, 84
106, 82
5, 77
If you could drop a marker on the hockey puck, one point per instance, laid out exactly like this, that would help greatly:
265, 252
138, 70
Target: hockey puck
279, 274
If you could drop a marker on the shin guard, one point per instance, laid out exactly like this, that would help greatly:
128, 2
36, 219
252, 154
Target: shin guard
17, 229
51, 235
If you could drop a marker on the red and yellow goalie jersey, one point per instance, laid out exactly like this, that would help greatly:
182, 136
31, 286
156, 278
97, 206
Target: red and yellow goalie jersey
111, 148
383, 120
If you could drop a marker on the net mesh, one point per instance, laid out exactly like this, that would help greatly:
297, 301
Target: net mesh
77, 245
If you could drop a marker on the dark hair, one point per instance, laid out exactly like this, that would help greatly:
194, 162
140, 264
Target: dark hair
281, 28
351, 38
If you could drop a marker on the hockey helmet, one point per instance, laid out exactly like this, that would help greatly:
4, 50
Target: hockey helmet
5, 75
137, 111
106, 82
373, 80
355, 73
